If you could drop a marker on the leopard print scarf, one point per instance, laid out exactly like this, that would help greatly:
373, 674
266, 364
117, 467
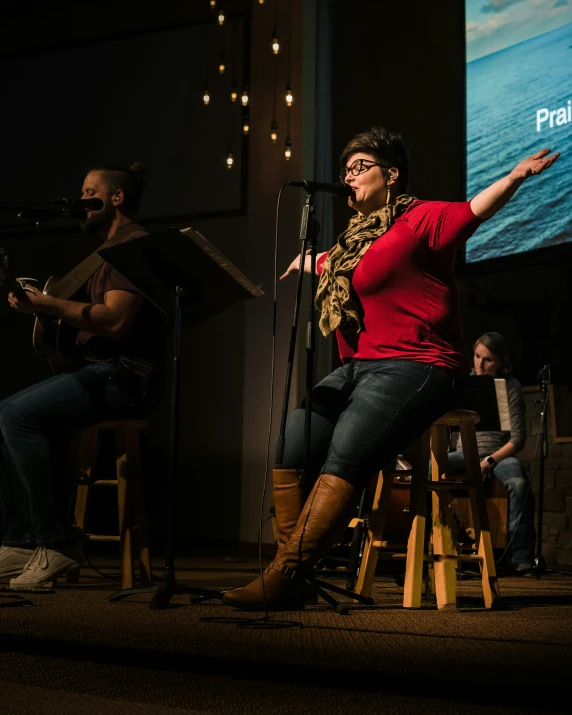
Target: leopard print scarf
335, 298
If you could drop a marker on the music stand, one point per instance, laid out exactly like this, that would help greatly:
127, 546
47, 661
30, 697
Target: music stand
167, 266
488, 396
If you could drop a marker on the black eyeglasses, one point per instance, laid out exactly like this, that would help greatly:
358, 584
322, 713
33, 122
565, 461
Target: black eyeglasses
359, 166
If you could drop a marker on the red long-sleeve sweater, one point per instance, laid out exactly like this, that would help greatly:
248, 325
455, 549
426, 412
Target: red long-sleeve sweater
407, 288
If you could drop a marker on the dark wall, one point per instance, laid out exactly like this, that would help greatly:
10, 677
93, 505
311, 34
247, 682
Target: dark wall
225, 360
121, 91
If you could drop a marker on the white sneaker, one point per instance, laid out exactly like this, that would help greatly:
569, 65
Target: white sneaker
13, 559
46, 564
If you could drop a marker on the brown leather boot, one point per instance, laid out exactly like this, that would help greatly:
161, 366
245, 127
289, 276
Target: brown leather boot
325, 515
287, 502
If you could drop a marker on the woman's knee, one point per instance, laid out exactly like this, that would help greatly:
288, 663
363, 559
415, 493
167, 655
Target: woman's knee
517, 486
510, 469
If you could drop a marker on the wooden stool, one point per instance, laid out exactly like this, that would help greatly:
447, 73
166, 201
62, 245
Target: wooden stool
433, 445
130, 495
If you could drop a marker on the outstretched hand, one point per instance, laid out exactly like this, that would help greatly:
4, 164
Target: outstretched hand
294, 267
534, 164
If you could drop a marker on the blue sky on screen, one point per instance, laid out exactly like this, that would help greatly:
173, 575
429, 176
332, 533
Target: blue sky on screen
493, 25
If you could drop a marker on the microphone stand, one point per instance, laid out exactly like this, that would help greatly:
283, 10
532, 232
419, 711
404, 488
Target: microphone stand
539, 566
308, 236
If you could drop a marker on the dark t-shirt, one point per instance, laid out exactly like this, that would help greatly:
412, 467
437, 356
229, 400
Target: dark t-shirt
140, 344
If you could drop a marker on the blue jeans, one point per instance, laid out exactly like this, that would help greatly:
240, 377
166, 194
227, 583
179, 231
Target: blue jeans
365, 413
30, 421
509, 471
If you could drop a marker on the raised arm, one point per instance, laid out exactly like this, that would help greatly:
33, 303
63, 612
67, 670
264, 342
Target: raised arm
494, 197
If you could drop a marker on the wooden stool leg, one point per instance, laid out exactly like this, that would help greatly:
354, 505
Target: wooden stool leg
86, 446
376, 525
480, 516
419, 458
124, 507
445, 576
81, 499
137, 490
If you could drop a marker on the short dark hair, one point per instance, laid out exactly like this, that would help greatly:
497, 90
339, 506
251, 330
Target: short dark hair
388, 148
130, 180
498, 345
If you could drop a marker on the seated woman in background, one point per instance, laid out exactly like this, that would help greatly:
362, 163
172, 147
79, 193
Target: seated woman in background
498, 450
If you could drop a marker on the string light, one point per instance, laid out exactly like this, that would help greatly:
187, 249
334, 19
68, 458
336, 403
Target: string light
229, 158
245, 125
287, 149
222, 54
274, 132
275, 44
245, 98
206, 95
221, 17
289, 96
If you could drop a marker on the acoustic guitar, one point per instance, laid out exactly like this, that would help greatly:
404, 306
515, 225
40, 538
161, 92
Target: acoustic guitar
51, 337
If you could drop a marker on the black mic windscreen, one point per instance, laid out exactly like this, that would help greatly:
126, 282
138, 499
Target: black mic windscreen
336, 189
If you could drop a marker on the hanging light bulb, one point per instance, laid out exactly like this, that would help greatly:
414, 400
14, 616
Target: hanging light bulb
206, 95
221, 17
261, 2
213, 4
245, 124
289, 96
233, 93
275, 44
221, 65
229, 158
274, 131
287, 149
245, 98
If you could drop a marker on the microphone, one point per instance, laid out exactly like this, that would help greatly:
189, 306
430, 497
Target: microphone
337, 189
92, 204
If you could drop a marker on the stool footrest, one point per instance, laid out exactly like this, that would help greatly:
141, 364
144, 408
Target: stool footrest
389, 545
102, 537
436, 486
449, 484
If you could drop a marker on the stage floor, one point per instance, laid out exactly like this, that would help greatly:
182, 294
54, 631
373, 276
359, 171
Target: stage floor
72, 650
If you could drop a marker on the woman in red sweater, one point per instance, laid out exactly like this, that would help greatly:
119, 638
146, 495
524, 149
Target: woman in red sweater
387, 289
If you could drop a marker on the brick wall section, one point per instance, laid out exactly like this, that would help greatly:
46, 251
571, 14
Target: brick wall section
557, 511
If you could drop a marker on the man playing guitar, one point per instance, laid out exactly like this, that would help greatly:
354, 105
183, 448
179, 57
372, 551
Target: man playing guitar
106, 379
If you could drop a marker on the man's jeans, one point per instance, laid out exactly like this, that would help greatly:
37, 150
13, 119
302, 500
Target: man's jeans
509, 471
29, 422
365, 413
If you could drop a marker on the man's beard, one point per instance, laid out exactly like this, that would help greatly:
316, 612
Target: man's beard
98, 220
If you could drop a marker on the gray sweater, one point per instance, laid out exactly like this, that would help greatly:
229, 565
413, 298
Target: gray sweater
489, 442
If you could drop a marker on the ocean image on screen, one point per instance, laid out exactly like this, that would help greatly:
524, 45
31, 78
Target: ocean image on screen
519, 100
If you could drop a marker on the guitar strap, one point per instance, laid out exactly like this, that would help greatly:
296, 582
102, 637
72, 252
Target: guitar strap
78, 276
